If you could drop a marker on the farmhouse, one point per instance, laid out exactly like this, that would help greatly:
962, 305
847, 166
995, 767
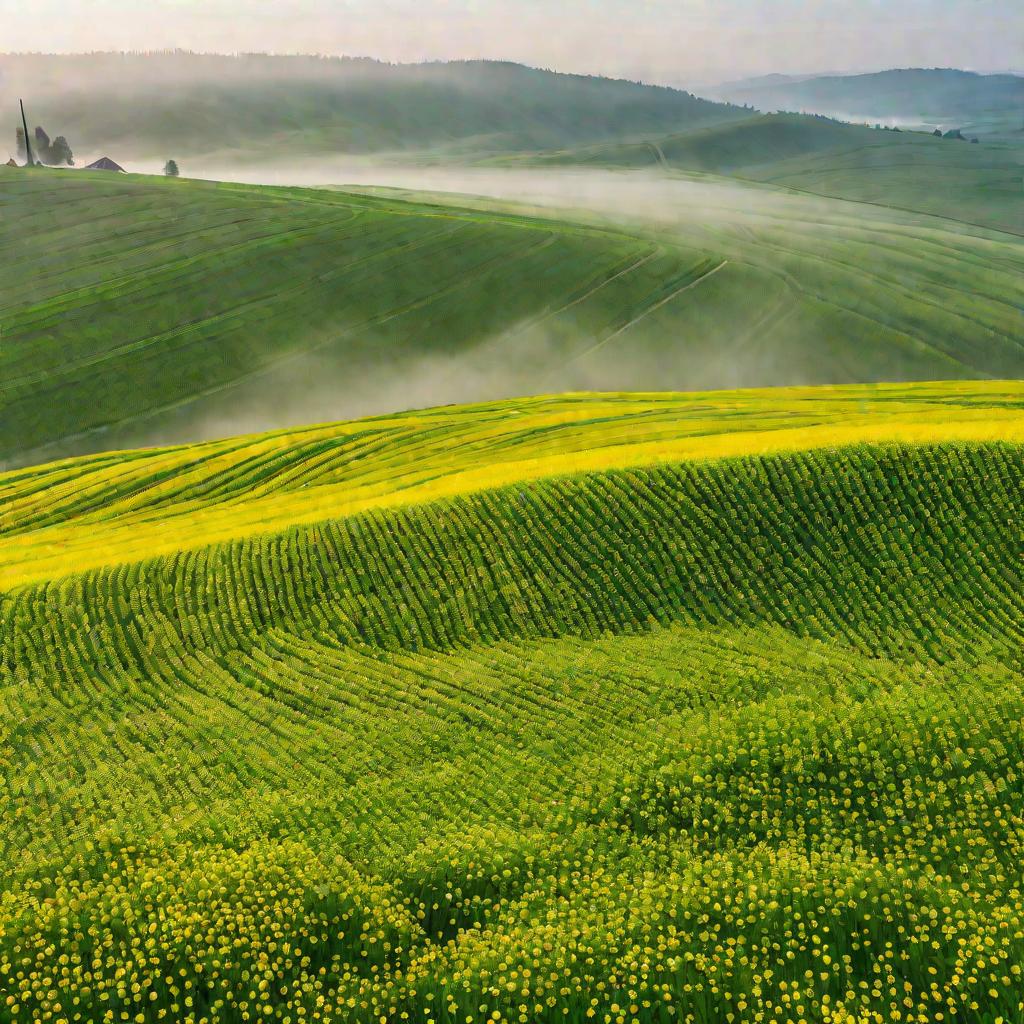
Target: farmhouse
104, 164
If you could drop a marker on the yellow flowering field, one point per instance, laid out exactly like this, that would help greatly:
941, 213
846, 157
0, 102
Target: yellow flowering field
620, 708
159, 501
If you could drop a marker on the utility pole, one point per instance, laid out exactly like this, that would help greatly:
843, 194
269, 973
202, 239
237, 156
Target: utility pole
28, 144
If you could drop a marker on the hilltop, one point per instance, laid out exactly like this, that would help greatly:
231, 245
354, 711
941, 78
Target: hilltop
563, 709
283, 108
164, 501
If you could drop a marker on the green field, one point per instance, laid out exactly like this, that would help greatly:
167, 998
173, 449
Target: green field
725, 149
982, 185
139, 311
619, 708
124, 298
573, 572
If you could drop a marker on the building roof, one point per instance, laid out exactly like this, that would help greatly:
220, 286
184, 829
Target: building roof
104, 164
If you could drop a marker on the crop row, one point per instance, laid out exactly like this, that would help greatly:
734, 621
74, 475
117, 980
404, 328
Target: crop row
694, 818
894, 550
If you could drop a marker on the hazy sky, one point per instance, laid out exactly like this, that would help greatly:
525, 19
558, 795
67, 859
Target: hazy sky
675, 41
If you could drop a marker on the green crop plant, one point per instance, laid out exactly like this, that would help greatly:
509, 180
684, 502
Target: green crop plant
669, 716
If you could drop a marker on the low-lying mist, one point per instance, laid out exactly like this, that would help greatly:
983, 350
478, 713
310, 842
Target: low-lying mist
630, 198
529, 358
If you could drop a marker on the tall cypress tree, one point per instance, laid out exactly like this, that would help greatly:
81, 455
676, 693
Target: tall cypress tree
28, 144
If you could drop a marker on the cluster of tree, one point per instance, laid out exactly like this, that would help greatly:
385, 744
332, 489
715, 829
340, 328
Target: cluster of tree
56, 153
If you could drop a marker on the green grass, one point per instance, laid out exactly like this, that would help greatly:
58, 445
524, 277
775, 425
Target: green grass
981, 184
726, 148
660, 742
123, 298
140, 311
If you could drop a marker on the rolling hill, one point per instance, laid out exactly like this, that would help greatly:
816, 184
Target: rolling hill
981, 184
947, 97
214, 300
619, 707
253, 107
139, 311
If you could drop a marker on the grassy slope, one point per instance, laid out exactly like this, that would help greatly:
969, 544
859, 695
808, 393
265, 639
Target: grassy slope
162, 105
981, 184
631, 730
297, 304
123, 297
725, 148
908, 170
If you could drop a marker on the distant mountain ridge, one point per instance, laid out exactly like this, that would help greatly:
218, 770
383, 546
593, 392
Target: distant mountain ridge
152, 104
767, 81
929, 95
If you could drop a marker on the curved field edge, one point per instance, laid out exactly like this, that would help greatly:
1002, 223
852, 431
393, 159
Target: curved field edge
87, 513
631, 732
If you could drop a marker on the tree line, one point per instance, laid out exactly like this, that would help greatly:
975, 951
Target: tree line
55, 153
